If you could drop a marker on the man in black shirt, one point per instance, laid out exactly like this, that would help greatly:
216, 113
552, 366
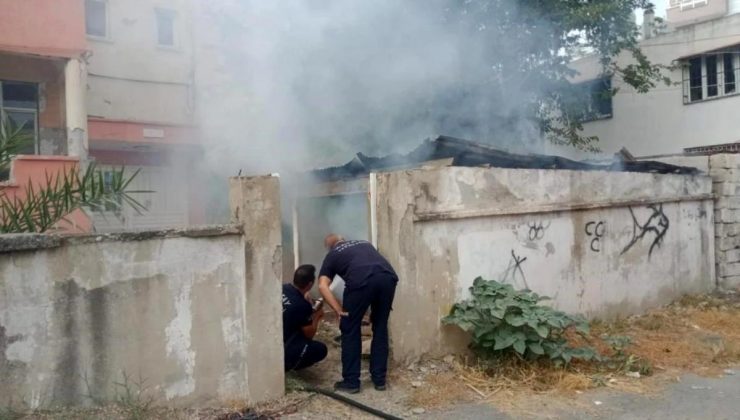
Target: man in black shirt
370, 282
301, 321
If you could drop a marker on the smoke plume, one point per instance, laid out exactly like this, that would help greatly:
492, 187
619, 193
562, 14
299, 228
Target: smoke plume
300, 84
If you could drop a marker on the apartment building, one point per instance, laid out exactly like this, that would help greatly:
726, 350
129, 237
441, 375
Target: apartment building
701, 40
42, 89
109, 81
140, 102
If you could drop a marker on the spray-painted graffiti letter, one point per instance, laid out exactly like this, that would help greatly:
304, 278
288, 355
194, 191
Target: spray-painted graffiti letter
595, 230
537, 230
657, 224
514, 270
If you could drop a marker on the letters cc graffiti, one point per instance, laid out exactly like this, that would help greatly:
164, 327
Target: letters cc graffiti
595, 231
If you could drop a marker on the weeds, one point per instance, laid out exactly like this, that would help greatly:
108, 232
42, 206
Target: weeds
131, 398
620, 360
8, 413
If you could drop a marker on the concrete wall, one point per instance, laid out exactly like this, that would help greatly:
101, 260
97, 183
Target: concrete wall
725, 172
192, 315
601, 244
658, 122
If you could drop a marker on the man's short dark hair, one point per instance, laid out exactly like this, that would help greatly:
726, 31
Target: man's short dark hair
304, 275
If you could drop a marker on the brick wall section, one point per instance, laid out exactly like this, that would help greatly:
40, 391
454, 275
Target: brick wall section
725, 172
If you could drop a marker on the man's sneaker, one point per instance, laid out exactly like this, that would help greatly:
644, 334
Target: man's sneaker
345, 387
380, 387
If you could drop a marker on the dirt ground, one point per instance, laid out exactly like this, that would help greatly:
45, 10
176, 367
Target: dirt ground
698, 336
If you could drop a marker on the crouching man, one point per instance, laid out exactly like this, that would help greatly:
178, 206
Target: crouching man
301, 321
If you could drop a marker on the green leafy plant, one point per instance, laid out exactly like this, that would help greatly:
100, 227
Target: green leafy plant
44, 205
623, 361
502, 320
12, 140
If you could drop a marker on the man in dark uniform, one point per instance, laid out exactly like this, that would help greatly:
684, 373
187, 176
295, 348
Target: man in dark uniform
301, 321
370, 282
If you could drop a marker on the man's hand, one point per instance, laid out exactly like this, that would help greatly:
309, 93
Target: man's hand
318, 314
329, 298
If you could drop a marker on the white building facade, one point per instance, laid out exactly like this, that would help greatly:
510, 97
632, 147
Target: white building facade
701, 106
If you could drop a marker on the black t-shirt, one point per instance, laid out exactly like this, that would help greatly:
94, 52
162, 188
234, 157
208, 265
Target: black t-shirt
355, 262
297, 312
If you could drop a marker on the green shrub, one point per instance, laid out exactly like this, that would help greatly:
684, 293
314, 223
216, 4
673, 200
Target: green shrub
502, 320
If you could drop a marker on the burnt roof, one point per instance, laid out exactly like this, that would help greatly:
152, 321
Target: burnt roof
469, 153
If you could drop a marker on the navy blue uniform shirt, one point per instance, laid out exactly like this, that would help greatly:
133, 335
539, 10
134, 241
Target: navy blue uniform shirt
297, 312
355, 262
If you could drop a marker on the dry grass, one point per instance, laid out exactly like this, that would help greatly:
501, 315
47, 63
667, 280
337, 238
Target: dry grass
699, 334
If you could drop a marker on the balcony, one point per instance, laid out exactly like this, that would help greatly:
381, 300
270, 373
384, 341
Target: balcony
50, 28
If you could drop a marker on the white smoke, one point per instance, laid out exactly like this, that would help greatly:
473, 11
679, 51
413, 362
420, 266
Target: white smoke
300, 84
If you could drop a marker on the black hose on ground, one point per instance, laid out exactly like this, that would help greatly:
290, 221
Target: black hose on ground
351, 402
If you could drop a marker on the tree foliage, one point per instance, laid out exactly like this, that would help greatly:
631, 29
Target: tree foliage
533, 43
44, 205
502, 320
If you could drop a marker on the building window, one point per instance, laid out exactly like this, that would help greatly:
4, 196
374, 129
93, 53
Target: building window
96, 18
711, 76
594, 99
688, 4
19, 106
165, 27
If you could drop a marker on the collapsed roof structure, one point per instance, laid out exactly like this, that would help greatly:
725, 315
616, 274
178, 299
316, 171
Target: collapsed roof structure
468, 153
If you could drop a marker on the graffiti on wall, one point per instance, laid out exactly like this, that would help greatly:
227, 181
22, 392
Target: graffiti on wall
595, 231
514, 270
537, 230
656, 226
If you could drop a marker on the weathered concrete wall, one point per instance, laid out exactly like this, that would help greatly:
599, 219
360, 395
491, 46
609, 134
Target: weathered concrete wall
193, 316
725, 172
255, 205
602, 244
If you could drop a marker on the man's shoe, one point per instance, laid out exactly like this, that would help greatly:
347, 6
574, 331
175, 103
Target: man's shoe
379, 387
345, 387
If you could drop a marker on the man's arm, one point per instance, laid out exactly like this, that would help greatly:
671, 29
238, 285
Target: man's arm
309, 331
328, 296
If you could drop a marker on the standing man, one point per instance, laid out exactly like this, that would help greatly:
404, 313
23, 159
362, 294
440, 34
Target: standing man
370, 281
301, 321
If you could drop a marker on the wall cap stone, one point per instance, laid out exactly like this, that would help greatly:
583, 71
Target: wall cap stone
34, 241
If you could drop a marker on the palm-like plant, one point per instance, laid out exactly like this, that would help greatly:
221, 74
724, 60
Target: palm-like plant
46, 204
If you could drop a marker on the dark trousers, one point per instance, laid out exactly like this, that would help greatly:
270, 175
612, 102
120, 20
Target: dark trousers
304, 353
378, 296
